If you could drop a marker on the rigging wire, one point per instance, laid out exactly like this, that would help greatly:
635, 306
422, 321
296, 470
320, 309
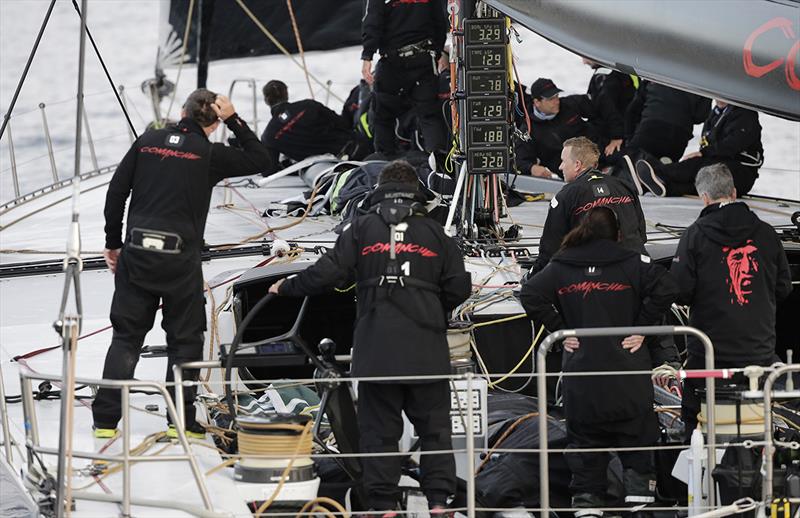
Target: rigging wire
105, 69
7, 116
283, 49
296, 30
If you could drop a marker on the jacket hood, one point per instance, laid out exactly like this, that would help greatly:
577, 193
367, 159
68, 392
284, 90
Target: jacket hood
729, 224
396, 201
600, 251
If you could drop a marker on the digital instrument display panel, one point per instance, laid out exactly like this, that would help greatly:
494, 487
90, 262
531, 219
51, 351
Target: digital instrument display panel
486, 108
488, 56
479, 32
487, 134
488, 160
491, 83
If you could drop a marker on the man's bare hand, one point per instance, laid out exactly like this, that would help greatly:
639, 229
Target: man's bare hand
111, 257
223, 107
632, 343
571, 344
276, 288
663, 381
695, 154
366, 71
613, 146
541, 171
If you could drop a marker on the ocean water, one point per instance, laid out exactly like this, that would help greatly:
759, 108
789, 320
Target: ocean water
127, 34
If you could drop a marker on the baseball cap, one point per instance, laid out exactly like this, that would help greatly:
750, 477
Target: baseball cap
543, 88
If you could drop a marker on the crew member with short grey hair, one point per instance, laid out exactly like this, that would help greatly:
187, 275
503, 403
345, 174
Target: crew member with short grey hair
732, 271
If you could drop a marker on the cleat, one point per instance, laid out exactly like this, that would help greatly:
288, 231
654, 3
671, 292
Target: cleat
648, 177
105, 433
628, 173
195, 432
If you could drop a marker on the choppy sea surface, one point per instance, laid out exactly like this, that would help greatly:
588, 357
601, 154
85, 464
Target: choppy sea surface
127, 34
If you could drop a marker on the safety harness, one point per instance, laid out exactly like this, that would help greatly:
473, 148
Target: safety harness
394, 215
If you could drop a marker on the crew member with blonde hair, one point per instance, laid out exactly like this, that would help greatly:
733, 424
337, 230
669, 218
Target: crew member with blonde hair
585, 189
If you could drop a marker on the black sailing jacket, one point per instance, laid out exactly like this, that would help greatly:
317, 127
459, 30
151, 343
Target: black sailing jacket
169, 174
400, 331
614, 91
391, 24
732, 270
656, 102
602, 284
305, 128
576, 117
733, 133
591, 189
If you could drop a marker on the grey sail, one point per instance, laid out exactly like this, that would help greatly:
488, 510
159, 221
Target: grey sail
743, 51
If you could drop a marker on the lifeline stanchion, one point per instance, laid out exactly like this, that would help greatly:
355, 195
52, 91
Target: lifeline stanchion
49, 142
6, 432
769, 444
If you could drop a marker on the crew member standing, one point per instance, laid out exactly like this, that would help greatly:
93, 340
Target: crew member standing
595, 282
409, 274
587, 188
732, 271
169, 174
410, 37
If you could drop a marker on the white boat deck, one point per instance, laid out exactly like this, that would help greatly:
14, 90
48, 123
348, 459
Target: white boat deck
29, 305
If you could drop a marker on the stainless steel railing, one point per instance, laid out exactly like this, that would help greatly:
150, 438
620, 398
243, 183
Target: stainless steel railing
126, 459
176, 412
541, 369
769, 443
4, 420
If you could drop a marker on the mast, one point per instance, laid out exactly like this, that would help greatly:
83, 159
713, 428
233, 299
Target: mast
205, 12
68, 325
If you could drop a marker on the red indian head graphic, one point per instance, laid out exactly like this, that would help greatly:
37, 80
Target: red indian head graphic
742, 265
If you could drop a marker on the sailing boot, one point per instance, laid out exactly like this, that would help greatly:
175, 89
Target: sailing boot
587, 505
627, 173
193, 431
648, 177
640, 491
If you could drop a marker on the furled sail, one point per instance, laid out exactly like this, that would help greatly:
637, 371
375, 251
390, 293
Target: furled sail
229, 32
743, 51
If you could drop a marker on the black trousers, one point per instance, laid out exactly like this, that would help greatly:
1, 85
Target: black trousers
399, 79
589, 469
679, 176
658, 139
690, 402
133, 311
380, 425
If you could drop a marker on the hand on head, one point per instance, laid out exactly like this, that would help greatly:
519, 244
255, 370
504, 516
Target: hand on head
223, 107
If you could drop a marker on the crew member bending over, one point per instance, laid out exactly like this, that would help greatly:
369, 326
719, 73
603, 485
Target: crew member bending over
306, 128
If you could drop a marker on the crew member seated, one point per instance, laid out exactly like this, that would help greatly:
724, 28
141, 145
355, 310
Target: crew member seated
731, 136
660, 120
556, 119
305, 128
